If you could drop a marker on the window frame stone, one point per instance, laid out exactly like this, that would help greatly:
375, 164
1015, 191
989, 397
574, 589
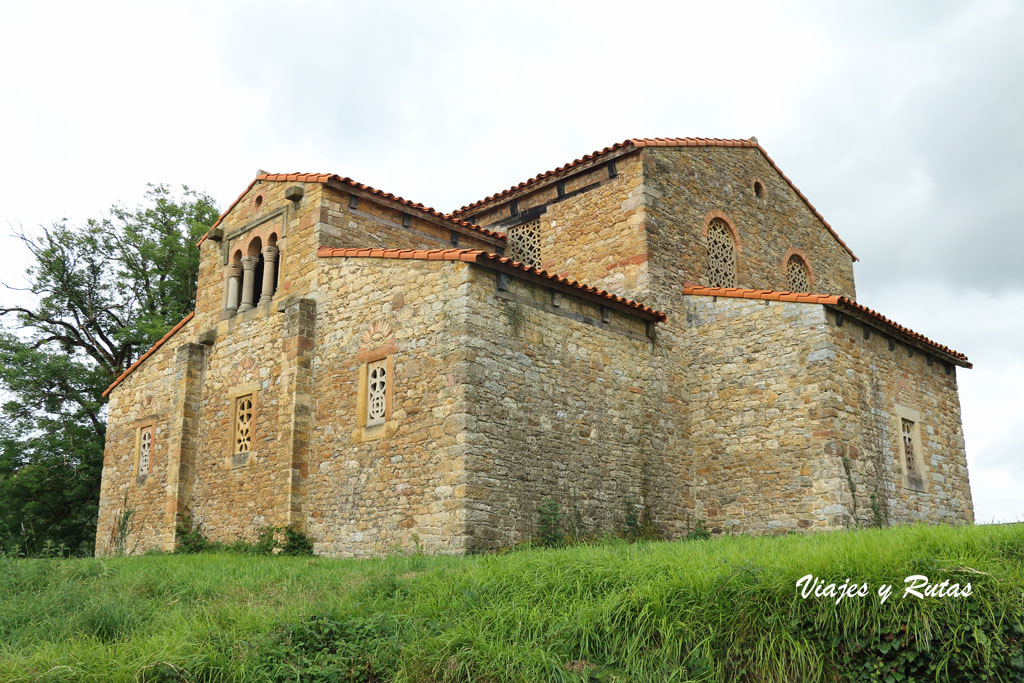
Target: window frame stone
795, 263
242, 458
150, 429
718, 226
365, 431
918, 482
784, 267
377, 388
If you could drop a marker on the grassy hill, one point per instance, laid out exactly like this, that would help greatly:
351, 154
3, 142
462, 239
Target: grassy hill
725, 609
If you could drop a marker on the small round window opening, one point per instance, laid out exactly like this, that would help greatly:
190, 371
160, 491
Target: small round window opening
758, 189
259, 201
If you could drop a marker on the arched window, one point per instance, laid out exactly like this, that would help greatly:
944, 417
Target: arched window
797, 276
251, 280
721, 255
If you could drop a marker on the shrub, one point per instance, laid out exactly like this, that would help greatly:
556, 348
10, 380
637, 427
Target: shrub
266, 540
698, 532
296, 542
190, 539
286, 540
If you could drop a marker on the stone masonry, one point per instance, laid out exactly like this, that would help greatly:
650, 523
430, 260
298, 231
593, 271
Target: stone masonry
382, 376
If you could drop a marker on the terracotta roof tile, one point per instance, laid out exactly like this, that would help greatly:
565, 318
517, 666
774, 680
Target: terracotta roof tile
149, 352
832, 300
500, 263
639, 143
324, 178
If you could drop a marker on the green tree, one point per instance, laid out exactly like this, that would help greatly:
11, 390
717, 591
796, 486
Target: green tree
98, 295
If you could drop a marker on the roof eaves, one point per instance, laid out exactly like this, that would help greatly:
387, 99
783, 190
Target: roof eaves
843, 302
149, 352
919, 340
546, 175
434, 213
325, 178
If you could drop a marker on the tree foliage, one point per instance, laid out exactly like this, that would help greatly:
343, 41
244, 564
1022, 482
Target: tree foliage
97, 296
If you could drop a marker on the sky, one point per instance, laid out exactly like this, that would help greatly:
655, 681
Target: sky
902, 122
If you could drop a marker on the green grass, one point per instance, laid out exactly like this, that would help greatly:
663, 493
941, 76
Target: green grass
725, 609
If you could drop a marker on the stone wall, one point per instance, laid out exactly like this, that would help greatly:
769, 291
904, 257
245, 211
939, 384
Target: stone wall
374, 224
152, 396
878, 379
502, 399
759, 385
234, 496
684, 187
373, 490
561, 406
795, 421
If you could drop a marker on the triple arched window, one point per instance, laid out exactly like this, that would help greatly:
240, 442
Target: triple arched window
251, 279
721, 254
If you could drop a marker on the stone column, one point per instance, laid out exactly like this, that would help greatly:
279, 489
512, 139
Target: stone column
248, 282
232, 277
269, 265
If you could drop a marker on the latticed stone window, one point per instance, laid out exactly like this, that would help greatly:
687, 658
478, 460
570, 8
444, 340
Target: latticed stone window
524, 243
796, 273
145, 450
243, 424
721, 255
908, 447
376, 399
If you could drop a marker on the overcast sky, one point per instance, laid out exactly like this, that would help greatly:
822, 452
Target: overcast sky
902, 122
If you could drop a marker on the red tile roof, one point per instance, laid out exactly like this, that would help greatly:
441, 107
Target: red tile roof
324, 178
832, 300
502, 264
150, 352
638, 143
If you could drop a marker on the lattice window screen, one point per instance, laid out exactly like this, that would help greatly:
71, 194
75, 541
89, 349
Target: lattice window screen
524, 243
243, 424
908, 446
377, 383
145, 449
721, 255
797, 275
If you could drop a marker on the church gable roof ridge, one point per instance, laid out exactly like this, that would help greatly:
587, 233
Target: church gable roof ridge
495, 262
830, 299
324, 178
639, 143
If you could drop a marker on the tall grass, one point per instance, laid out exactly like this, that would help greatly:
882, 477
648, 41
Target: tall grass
725, 609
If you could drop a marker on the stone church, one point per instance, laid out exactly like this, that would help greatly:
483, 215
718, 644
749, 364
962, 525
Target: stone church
665, 330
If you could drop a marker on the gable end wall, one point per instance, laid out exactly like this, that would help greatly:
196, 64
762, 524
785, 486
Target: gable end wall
685, 185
